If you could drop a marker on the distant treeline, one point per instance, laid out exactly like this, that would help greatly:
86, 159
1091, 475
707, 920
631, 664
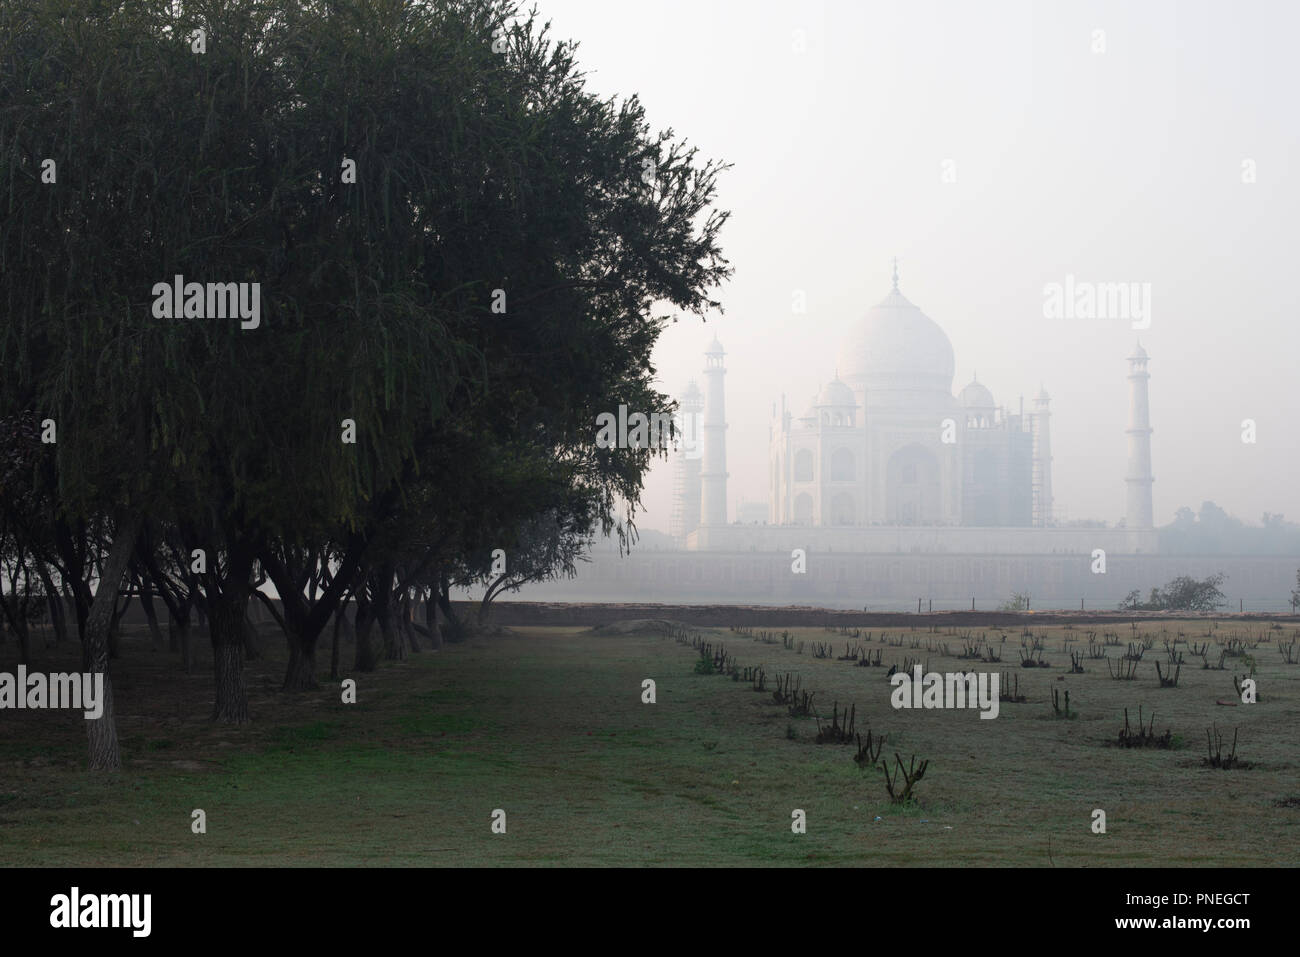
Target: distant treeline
1213, 531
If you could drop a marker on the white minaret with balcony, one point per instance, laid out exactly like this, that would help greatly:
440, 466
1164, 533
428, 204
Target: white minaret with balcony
713, 476
1042, 461
1139, 512
687, 460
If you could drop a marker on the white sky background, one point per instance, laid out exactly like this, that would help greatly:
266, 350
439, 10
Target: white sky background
1120, 167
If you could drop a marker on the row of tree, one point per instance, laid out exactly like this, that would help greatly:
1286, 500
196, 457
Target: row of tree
1212, 531
463, 257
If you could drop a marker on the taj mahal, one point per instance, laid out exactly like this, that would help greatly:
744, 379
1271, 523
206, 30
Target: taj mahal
888, 444
886, 455
885, 488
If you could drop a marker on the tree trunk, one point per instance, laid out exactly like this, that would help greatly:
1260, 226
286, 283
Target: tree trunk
58, 614
180, 634
231, 704
450, 625
302, 622
393, 648
182, 638
59, 618
434, 626
349, 629
105, 754
70, 542
115, 627
342, 627
339, 618
250, 641
227, 612
173, 629
365, 659
146, 602
22, 631
485, 606
301, 674
406, 611
302, 640
113, 637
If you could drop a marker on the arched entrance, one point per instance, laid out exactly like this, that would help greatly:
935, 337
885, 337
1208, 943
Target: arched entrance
912, 493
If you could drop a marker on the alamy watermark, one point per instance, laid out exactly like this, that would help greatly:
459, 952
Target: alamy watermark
953, 690
1074, 299
75, 909
83, 692
214, 300
640, 431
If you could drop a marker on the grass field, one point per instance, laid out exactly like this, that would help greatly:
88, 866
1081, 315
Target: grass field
548, 725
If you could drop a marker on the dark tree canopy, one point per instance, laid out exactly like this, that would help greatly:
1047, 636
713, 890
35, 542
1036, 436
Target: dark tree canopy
458, 254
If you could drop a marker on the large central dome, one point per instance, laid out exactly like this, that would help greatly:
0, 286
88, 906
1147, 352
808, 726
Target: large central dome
897, 347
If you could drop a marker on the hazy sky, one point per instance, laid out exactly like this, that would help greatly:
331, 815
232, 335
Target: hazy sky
1123, 166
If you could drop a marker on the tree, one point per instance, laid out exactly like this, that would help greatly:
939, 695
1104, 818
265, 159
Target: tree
581, 250
1017, 602
462, 259
1183, 593
545, 548
19, 448
1215, 519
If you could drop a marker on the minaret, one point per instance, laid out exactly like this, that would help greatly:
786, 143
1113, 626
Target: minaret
1139, 512
713, 477
1042, 459
686, 466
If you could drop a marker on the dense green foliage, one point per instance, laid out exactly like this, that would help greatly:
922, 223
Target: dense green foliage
459, 257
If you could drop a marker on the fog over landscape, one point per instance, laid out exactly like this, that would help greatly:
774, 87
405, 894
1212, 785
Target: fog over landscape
345, 521
1163, 160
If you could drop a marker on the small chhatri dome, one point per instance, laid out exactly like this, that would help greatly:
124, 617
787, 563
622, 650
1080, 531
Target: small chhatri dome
836, 394
1139, 352
976, 396
715, 348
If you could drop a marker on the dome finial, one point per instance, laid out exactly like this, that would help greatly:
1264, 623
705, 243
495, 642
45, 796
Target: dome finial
895, 274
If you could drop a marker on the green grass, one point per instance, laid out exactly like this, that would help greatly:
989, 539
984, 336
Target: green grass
548, 725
